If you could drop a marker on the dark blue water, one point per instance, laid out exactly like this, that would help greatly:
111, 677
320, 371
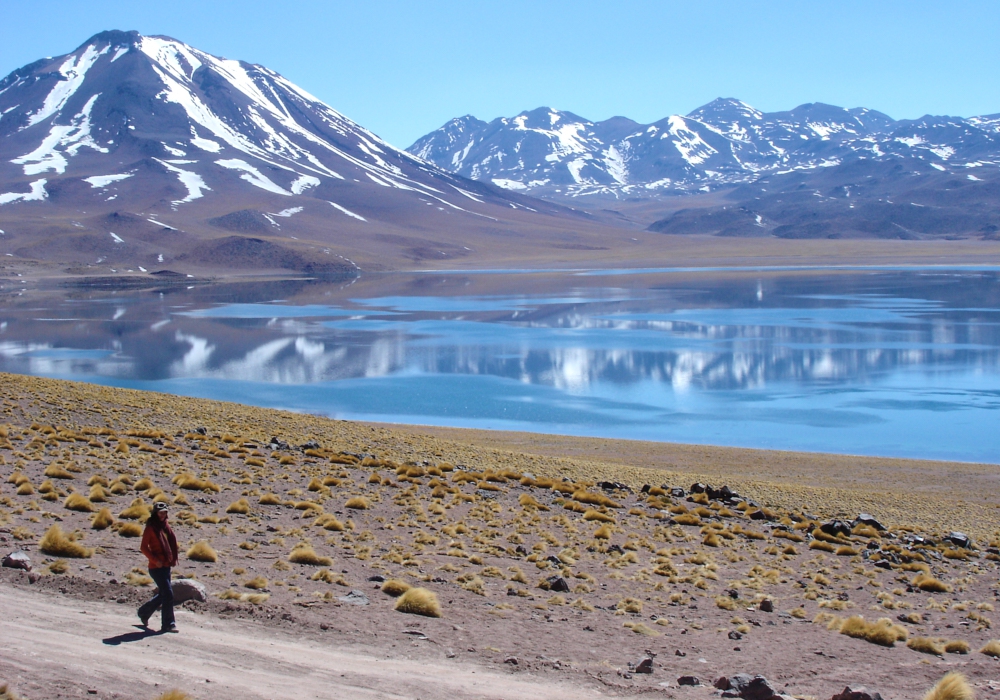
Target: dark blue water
888, 362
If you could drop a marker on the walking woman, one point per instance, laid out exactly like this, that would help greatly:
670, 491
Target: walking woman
160, 547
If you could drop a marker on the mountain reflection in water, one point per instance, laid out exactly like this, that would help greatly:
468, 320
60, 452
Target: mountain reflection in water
661, 356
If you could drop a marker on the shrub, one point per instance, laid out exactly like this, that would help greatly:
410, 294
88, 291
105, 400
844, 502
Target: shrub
358, 503
956, 646
56, 543
598, 516
952, 687
240, 507
822, 546
418, 601
202, 551
78, 502
130, 530
256, 583
928, 583
395, 587
305, 554
925, 645
102, 520
992, 648
269, 499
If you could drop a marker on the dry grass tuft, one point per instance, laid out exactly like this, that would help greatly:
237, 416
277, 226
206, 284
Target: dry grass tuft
395, 587
952, 687
930, 584
202, 551
925, 645
56, 543
358, 503
419, 601
305, 554
269, 499
102, 520
258, 583
7, 694
598, 516
79, 503
129, 529
175, 695
240, 507
992, 648
956, 646
822, 546
882, 632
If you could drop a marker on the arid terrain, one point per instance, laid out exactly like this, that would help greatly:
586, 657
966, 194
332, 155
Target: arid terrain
351, 560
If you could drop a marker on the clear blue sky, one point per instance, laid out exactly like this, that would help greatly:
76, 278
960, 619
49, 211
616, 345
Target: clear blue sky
403, 68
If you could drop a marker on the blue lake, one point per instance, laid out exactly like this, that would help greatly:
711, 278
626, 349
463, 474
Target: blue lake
865, 361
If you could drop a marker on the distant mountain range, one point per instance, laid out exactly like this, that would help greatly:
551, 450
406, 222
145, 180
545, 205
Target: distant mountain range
548, 152
142, 152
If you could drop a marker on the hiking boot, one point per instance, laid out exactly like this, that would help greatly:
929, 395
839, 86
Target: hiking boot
169, 629
144, 621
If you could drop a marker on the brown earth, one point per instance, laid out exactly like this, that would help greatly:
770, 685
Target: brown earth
482, 520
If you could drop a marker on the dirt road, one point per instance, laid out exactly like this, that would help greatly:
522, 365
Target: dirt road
54, 646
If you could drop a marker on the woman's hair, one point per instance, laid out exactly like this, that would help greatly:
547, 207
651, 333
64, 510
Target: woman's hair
154, 517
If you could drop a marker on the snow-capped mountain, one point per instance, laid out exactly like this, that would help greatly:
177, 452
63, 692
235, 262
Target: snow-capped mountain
726, 142
168, 138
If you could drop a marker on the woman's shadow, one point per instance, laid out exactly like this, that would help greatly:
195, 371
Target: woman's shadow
131, 636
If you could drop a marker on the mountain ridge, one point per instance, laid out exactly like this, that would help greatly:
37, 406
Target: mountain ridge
721, 144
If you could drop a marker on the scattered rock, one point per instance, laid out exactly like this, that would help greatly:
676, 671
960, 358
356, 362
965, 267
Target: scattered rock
377, 578
512, 660
735, 636
677, 492
959, 539
698, 488
17, 560
766, 605
870, 521
644, 666
688, 680
558, 584
857, 693
354, 598
612, 486
186, 589
758, 689
836, 527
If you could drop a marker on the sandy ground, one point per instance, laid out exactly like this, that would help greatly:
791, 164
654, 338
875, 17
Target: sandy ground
79, 646
484, 521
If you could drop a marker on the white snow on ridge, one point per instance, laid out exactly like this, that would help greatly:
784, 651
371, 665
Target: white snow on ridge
205, 144
122, 50
303, 183
288, 212
36, 194
118, 239
348, 212
509, 184
192, 181
252, 175
105, 180
74, 70
687, 142
72, 137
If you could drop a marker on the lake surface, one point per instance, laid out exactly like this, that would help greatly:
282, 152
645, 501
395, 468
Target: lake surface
873, 361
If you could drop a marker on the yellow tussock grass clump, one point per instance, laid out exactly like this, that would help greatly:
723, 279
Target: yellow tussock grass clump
603, 532
54, 471
882, 632
598, 516
56, 543
822, 546
395, 587
845, 551
25, 489
175, 695
925, 645
102, 520
528, 501
202, 551
711, 540
952, 687
687, 519
992, 648
418, 601
956, 646
305, 554
137, 510
269, 499
256, 583
7, 694
308, 505
640, 628
594, 499
190, 482
358, 503
930, 584
130, 530
725, 602
78, 502
240, 507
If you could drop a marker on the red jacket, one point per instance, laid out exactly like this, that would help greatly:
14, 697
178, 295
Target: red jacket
160, 546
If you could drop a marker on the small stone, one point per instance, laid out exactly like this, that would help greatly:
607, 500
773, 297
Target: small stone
512, 660
17, 560
959, 539
758, 689
836, 527
698, 488
644, 666
680, 653
688, 680
186, 589
735, 636
766, 605
857, 693
870, 521
323, 626
33, 577
377, 578
558, 584
354, 598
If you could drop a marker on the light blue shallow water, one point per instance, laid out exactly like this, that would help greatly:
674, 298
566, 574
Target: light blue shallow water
886, 362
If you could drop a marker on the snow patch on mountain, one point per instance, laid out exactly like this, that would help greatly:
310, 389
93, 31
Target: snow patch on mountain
36, 194
104, 180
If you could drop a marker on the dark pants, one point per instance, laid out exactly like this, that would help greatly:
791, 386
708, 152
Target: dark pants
163, 599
